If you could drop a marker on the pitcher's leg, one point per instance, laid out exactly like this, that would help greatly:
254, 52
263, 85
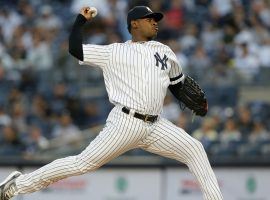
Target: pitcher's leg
168, 140
115, 139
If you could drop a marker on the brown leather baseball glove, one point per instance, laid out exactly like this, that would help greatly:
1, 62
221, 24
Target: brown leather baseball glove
190, 94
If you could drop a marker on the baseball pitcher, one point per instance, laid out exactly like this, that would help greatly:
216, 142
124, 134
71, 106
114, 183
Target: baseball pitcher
137, 74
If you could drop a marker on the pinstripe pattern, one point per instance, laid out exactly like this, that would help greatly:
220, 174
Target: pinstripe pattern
131, 75
121, 133
168, 140
137, 76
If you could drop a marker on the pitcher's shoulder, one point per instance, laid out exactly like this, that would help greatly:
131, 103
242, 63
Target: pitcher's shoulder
159, 44
119, 44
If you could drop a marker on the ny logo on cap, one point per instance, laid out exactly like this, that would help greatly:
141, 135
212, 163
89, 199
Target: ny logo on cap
162, 61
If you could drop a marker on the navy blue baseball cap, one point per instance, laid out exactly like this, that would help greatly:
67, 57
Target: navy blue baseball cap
140, 12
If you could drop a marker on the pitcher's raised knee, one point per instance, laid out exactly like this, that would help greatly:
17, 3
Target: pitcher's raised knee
196, 147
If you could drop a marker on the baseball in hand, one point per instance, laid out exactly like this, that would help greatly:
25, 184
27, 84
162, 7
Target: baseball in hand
94, 12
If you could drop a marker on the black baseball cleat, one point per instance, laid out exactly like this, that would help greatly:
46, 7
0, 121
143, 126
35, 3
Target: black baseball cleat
8, 186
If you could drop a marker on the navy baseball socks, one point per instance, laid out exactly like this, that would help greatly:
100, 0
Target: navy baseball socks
8, 186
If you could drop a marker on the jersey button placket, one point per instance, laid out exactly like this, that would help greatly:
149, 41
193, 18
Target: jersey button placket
146, 80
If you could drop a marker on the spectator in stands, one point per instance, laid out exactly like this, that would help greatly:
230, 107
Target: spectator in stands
189, 40
27, 12
201, 11
17, 50
206, 133
244, 121
28, 83
174, 16
65, 66
75, 109
59, 98
211, 37
9, 20
47, 20
259, 132
221, 8
5, 85
5, 119
228, 34
246, 63
39, 56
264, 53
230, 133
199, 63
117, 22
260, 33
183, 121
171, 109
10, 143
64, 130
262, 10
19, 117
35, 141
39, 115
91, 116
220, 76
16, 96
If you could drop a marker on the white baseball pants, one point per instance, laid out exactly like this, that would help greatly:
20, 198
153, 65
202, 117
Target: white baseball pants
121, 133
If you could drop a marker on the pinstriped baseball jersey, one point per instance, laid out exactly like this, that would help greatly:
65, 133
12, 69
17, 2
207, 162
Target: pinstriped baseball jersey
136, 74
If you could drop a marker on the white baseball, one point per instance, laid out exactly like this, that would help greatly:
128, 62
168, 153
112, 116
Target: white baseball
94, 12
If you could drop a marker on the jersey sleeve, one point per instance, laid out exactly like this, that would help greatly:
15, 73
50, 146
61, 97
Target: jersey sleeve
175, 73
96, 55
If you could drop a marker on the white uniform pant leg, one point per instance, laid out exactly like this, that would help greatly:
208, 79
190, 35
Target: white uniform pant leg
170, 141
120, 134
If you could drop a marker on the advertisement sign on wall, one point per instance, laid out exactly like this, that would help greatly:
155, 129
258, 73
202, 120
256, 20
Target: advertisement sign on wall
235, 184
182, 185
109, 184
156, 184
245, 184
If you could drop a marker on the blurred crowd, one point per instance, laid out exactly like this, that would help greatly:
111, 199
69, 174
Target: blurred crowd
242, 130
44, 94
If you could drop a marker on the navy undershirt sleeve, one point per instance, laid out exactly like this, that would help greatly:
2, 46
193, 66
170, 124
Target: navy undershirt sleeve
75, 38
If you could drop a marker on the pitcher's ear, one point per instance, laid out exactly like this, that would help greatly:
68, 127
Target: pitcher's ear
134, 24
